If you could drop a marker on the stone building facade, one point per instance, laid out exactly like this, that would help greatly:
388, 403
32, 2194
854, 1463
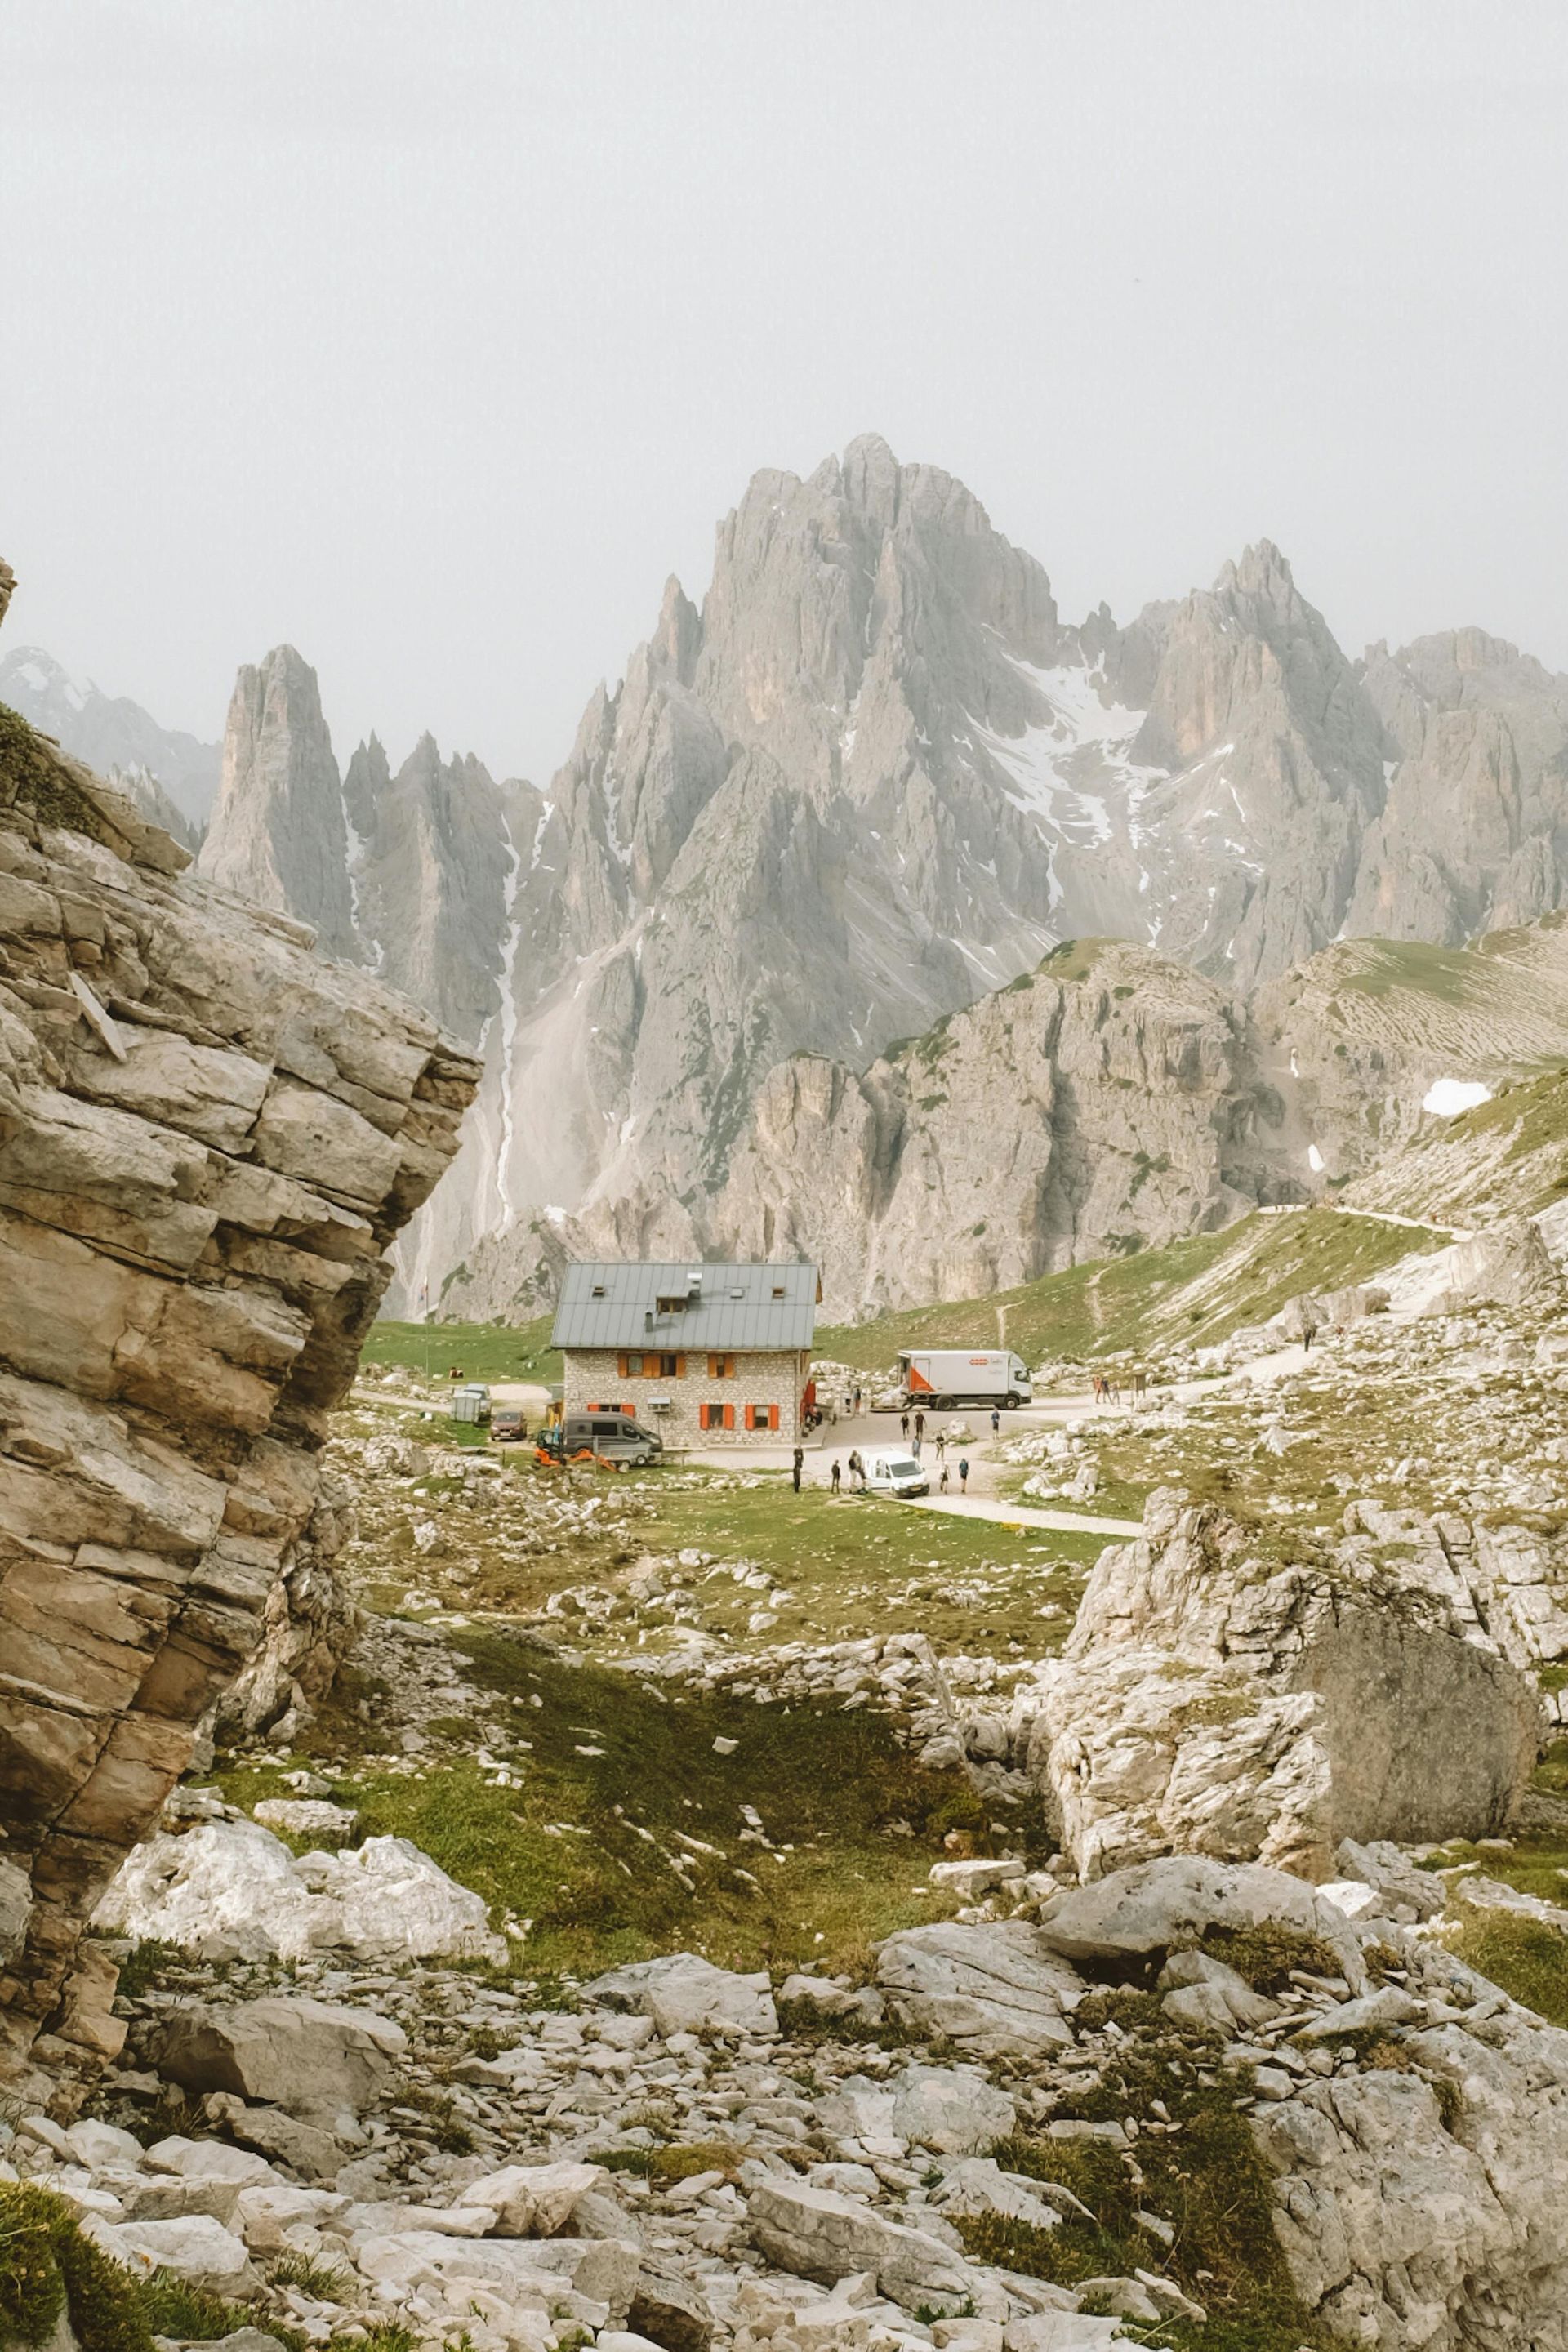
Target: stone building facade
714, 1354
716, 1398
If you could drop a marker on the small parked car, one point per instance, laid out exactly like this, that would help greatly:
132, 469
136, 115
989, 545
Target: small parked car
508, 1425
898, 1474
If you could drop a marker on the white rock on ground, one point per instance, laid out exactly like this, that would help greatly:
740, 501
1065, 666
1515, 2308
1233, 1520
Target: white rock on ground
230, 1890
312, 2057
686, 1994
824, 2236
990, 1990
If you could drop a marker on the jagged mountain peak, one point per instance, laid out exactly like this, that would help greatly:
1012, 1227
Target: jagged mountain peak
875, 777
1261, 573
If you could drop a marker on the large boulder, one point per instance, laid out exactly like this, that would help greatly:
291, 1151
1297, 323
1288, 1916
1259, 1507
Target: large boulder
995, 1991
1506, 1264
314, 2058
1419, 2204
685, 1994
1211, 1701
230, 1890
196, 2248
1180, 1901
818, 2235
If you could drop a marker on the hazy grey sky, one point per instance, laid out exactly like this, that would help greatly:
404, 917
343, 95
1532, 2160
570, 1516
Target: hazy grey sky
433, 337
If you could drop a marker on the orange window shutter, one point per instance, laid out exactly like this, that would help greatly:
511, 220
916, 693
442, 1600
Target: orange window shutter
621, 1366
729, 1416
773, 1416
680, 1368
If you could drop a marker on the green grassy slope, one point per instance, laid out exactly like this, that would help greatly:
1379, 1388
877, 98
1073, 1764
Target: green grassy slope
628, 1836
486, 1352
1200, 1290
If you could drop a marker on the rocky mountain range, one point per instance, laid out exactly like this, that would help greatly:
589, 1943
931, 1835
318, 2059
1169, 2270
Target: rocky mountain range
871, 783
169, 774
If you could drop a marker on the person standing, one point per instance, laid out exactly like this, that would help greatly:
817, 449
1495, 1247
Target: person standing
904, 1425
920, 1424
836, 1475
964, 1474
941, 1444
996, 1421
799, 1465
941, 1482
857, 1401
915, 1444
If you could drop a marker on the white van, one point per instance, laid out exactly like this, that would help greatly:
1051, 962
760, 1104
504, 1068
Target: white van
898, 1475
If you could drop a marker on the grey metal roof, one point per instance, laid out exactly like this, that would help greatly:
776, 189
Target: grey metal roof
610, 1304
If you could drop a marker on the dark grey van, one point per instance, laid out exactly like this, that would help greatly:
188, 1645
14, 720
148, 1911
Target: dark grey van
612, 1436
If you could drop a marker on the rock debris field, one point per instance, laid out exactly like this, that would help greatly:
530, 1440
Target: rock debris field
1076, 2064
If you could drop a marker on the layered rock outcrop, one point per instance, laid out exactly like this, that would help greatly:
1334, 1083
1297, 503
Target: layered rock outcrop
1109, 1100
1213, 1701
208, 1136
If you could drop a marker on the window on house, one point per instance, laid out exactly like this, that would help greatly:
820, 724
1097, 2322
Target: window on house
598, 1290
778, 1290
674, 1304
762, 1416
720, 1368
669, 1367
634, 1368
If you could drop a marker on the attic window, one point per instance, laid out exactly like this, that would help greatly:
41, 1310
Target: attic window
778, 1290
673, 1302
598, 1290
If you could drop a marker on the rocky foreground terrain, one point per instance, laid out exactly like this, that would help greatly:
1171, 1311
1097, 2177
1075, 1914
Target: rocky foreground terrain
1194, 1977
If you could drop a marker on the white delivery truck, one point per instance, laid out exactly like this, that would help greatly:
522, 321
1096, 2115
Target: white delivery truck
942, 1378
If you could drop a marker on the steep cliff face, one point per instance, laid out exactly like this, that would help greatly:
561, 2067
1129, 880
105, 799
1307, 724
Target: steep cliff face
1475, 835
1104, 1102
277, 832
208, 1136
1275, 757
1356, 1038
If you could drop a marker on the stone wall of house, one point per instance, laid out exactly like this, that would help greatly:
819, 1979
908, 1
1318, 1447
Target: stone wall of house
774, 1377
